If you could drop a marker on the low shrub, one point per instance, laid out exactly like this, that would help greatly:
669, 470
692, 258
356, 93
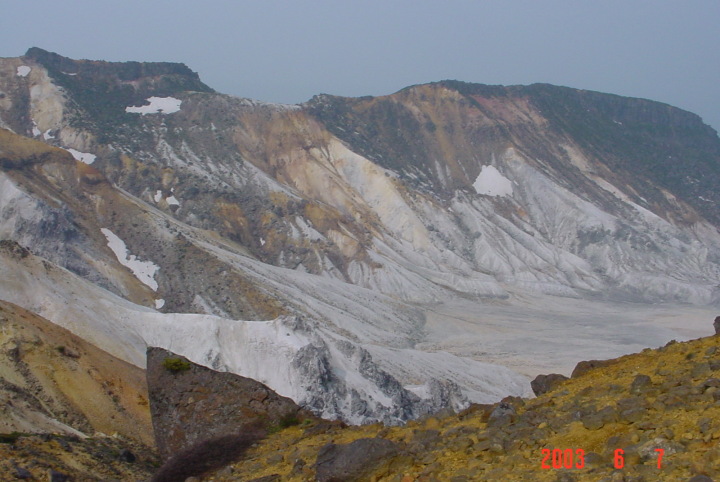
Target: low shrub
176, 365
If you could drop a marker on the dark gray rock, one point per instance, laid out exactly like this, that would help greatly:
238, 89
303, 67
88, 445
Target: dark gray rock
585, 366
639, 384
545, 383
56, 476
196, 403
351, 462
632, 415
598, 420
502, 415
700, 478
716, 325
127, 456
700, 370
22, 473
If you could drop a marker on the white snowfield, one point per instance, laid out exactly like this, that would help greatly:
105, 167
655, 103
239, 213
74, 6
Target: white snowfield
268, 351
143, 270
156, 105
23, 71
545, 334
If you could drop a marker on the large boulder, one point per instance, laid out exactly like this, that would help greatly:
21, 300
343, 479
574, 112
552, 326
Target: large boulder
190, 403
545, 383
585, 366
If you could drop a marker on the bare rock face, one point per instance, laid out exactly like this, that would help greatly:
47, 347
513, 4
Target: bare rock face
190, 403
716, 325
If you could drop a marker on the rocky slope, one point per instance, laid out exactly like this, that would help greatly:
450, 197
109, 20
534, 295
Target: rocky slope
160, 212
68, 408
57, 457
653, 415
667, 399
77, 200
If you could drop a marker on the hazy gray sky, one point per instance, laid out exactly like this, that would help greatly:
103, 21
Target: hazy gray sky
283, 51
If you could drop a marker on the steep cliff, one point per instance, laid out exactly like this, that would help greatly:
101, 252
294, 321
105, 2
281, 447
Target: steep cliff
191, 403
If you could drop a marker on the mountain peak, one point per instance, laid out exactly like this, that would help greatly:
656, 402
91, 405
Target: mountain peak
102, 90
125, 71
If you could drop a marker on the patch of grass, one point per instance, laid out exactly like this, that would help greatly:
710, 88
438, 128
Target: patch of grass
288, 420
176, 365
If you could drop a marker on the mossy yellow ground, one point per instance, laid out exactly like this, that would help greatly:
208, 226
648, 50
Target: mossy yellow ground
679, 413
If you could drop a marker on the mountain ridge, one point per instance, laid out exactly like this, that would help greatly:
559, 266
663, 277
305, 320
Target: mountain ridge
391, 243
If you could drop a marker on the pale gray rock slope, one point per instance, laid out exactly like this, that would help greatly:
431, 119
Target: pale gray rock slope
391, 245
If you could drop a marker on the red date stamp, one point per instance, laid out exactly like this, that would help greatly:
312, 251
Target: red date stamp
563, 459
575, 458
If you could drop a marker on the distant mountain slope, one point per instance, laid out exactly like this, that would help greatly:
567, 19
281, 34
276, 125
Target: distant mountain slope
318, 351
343, 220
644, 145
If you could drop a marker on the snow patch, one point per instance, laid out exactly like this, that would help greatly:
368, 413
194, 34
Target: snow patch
157, 105
82, 156
143, 270
158, 196
36, 132
23, 71
159, 303
491, 183
47, 136
172, 201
